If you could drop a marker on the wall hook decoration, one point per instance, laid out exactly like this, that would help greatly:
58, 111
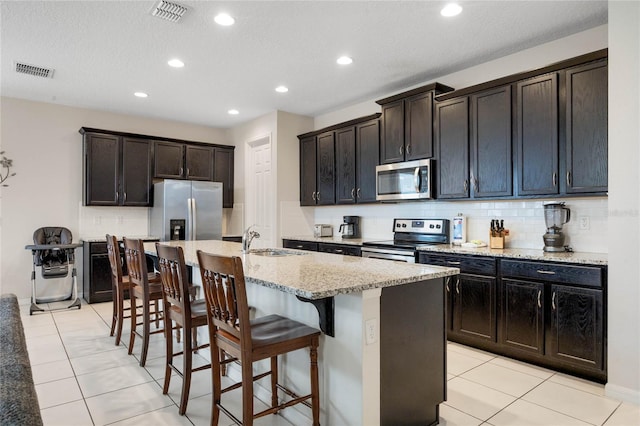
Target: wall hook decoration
6, 164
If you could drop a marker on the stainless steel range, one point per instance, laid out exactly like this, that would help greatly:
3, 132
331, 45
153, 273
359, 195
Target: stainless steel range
408, 234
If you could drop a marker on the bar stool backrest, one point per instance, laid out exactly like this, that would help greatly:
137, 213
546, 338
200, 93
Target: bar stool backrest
175, 284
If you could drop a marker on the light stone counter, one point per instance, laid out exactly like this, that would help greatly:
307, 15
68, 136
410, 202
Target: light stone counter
526, 254
314, 275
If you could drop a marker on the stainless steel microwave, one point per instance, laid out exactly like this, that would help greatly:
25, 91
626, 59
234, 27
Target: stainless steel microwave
410, 180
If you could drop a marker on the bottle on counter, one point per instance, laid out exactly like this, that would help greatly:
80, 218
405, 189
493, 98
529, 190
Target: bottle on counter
459, 235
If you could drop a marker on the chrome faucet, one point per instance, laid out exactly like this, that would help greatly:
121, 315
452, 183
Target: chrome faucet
247, 236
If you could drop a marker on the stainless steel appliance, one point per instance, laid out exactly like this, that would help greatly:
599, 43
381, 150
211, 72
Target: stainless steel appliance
322, 230
350, 227
555, 215
186, 210
410, 180
408, 234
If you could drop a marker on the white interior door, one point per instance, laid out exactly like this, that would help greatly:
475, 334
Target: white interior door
261, 194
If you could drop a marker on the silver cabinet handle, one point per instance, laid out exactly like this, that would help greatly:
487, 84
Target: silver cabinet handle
337, 251
181, 170
313, 195
569, 179
542, 271
450, 262
409, 149
358, 193
553, 301
300, 246
318, 196
188, 172
475, 184
353, 193
117, 196
401, 150
125, 198
458, 285
554, 179
446, 284
539, 294
466, 185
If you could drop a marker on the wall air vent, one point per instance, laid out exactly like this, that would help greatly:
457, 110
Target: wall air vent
34, 70
168, 11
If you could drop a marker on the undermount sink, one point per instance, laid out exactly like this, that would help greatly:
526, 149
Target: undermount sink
273, 252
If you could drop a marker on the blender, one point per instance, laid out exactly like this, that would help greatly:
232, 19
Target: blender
555, 215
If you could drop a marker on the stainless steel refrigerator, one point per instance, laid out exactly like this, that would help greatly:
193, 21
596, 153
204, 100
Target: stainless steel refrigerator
186, 210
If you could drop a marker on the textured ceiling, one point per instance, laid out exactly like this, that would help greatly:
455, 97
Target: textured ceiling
103, 51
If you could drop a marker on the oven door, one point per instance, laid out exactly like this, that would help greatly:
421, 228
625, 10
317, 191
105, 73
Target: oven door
389, 254
410, 180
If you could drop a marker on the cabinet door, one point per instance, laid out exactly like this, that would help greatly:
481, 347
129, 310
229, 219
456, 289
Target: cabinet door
346, 166
100, 276
474, 307
367, 149
392, 143
102, 158
308, 165
537, 117
577, 326
452, 140
587, 128
522, 324
223, 172
169, 160
326, 193
199, 162
491, 171
419, 126
136, 172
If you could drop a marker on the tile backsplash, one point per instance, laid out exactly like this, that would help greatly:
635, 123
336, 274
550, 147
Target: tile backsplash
524, 219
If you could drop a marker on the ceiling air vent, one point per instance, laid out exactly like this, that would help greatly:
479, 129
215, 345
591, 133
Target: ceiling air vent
34, 70
168, 11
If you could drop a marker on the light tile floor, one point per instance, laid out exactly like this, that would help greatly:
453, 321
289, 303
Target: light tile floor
82, 378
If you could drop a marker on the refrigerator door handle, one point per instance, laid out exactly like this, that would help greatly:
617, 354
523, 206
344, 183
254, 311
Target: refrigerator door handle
194, 212
189, 220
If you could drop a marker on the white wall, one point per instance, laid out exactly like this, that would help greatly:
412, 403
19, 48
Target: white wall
523, 218
624, 201
46, 148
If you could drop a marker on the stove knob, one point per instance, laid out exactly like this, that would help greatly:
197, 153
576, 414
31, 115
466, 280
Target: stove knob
437, 226
431, 226
404, 225
398, 225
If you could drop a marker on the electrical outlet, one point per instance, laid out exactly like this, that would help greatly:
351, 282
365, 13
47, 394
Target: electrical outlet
583, 222
371, 331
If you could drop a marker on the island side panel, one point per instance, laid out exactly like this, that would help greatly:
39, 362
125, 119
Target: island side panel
412, 353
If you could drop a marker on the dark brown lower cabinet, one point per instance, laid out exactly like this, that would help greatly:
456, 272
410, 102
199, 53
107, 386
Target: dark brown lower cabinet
522, 325
473, 308
335, 248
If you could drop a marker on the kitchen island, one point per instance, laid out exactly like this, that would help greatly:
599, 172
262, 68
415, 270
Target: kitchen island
385, 363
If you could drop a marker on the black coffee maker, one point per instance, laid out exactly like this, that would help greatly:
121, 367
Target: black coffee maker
350, 227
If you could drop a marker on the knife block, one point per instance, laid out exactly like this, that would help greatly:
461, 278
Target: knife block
496, 242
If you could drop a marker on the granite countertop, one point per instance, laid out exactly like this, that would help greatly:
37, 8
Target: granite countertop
314, 275
332, 240
526, 254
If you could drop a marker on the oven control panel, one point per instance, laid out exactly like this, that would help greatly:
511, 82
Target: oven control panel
421, 226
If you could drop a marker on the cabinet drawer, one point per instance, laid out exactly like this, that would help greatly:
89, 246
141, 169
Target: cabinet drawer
466, 264
98, 248
569, 274
347, 250
300, 245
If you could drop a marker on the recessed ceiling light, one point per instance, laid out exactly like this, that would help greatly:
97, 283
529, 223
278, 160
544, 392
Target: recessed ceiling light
344, 60
451, 9
224, 19
233, 112
141, 94
176, 63
282, 89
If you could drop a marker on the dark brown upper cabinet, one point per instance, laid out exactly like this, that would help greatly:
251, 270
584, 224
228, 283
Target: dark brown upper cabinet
452, 148
183, 161
117, 170
537, 135
491, 144
356, 161
317, 170
223, 172
586, 128
407, 124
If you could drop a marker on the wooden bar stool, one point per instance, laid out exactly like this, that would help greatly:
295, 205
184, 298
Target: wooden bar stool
120, 283
263, 338
142, 289
185, 312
